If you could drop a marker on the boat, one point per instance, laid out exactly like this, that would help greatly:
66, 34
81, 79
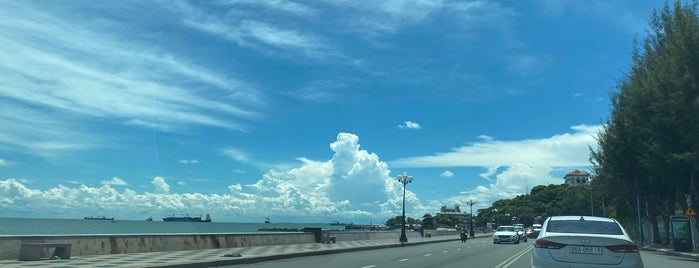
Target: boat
101, 218
267, 220
187, 218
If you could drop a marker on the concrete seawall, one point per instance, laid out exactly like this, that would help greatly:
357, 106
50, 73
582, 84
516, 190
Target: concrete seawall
138, 243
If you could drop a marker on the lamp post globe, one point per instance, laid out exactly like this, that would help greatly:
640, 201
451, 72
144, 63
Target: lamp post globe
404, 179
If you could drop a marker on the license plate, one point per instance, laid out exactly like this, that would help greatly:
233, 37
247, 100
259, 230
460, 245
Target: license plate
586, 250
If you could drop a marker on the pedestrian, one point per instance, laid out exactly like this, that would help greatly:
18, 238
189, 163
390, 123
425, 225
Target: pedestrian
463, 237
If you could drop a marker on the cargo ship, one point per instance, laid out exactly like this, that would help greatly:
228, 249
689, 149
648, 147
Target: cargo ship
188, 218
102, 218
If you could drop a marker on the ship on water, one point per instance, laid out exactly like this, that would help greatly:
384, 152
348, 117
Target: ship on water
101, 218
187, 218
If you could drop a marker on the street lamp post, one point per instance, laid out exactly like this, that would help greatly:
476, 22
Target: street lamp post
404, 179
470, 203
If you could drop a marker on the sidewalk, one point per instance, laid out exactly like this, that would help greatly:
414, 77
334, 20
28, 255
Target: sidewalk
220, 257
669, 251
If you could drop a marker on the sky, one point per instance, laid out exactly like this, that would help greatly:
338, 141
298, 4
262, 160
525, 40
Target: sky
300, 111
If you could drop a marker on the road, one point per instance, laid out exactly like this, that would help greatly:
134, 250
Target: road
473, 253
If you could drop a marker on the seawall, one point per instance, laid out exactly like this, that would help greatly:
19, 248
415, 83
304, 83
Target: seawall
136, 243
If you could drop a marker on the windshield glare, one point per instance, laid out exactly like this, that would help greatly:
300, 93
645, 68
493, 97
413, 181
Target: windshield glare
584, 227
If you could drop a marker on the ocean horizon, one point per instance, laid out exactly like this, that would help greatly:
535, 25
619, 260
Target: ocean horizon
48, 226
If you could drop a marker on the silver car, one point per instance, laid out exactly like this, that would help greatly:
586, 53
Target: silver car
584, 241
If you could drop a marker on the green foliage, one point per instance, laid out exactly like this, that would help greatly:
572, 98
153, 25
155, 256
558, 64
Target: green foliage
428, 222
543, 201
396, 221
650, 146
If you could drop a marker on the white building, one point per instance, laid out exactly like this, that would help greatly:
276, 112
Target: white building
577, 177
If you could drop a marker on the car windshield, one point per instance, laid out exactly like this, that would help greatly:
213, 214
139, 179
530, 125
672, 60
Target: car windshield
506, 229
584, 227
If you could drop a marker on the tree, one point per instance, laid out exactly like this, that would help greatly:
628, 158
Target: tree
428, 222
649, 148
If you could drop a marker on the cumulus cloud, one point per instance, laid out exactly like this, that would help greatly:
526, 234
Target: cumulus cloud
351, 184
447, 174
160, 185
562, 150
409, 125
114, 181
188, 162
511, 167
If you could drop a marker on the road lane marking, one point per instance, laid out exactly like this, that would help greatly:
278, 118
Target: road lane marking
403, 260
428, 254
369, 266
446, 251
509, 261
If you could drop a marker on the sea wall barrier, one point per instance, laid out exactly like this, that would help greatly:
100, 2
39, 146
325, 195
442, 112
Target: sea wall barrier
137, 243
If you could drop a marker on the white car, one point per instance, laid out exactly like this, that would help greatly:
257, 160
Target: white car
505, 234
584, 241
536, 228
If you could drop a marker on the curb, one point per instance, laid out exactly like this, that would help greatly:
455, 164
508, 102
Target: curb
295, 255
672, 252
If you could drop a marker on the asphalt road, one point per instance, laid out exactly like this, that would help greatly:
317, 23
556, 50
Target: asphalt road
473, 253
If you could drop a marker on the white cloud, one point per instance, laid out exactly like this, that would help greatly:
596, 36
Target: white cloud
512, 167
4, 163
77, 70
525, 63
286, 7
160, 185
181, 183
237, 155
485, 137
447, 174
409, 125
187, 162
249, 30
235, 188
114, 181
353, 184
578, 94
491, 171
563, 150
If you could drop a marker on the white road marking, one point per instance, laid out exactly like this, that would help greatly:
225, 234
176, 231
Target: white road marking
369, 266
446, 251
428, 254
404, 260
509, 261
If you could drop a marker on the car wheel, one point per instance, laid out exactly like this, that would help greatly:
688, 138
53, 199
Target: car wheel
517, 242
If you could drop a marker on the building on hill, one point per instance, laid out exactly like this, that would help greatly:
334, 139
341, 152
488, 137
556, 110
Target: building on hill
577, 177
456, 216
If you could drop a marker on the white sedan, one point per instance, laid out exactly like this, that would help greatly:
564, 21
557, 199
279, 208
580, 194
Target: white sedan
506, 234
584, 241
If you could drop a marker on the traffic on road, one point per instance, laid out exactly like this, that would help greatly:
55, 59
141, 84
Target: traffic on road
479, 252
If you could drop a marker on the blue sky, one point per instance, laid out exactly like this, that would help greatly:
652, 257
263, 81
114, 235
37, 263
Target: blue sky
300, 111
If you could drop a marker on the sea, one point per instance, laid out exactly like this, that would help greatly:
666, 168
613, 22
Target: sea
35, 226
